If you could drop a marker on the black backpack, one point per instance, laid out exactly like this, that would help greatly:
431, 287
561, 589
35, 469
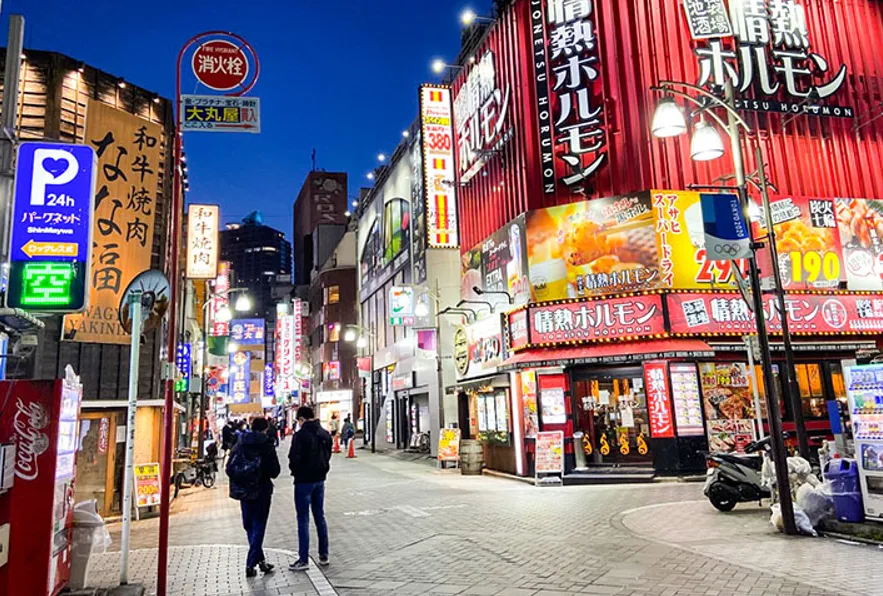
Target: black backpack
244, 471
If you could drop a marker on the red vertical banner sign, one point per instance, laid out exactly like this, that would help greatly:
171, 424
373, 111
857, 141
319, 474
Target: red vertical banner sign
658, 400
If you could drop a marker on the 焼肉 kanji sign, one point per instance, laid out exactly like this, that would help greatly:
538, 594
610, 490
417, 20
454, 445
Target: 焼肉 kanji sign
202, 241
217, 113
51, 240
129, 150
221, 65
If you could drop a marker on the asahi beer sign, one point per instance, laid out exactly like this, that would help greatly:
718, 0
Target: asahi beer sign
572, 136
770, 53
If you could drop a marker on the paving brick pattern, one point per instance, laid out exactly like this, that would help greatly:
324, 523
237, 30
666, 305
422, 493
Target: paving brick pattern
401, 527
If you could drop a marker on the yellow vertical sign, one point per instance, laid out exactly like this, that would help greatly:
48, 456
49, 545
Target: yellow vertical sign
129, 163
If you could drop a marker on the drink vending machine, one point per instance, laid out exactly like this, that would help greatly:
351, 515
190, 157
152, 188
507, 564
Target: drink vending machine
864, 385
41, 419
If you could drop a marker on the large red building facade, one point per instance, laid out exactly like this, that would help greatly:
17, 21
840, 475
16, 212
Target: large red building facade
624, 335
511, 120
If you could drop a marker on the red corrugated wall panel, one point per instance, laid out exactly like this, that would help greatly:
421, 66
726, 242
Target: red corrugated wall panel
642, 42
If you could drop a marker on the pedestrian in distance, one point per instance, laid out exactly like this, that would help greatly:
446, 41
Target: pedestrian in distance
273, 433
334, 424
309, 460
347, 432
252, 467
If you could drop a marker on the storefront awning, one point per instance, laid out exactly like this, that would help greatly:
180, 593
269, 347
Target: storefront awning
609, 353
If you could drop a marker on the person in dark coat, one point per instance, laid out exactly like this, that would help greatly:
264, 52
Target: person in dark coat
309, 460
228, 436
252, 467
273, 433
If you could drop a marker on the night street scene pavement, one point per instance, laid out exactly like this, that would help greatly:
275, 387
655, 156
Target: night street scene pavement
484, 297
404, 527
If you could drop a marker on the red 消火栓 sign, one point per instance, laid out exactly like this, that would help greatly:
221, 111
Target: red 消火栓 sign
596, 320
722, 314
658, 400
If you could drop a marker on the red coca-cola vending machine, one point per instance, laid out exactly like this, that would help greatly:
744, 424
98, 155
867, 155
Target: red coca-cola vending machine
41, 418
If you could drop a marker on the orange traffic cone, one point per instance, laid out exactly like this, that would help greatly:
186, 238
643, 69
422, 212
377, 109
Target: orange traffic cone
351, 452
336, 444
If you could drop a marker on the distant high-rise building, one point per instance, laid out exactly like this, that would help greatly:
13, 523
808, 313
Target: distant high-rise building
319, 221
261, 260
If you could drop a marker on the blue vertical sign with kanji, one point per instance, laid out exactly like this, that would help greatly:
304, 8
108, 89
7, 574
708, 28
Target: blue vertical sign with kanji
51, 231
182, 359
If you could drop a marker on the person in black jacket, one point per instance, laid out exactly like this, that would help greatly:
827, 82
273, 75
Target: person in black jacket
252, 485
309, 461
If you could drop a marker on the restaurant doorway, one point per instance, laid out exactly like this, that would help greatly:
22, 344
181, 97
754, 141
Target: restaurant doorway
610, 408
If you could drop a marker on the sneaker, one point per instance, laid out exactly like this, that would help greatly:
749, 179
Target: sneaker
266, 567
299, 566
250, 572
324, 561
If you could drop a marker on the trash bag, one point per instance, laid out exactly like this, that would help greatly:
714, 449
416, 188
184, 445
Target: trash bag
90, 532
816, 503
801, 520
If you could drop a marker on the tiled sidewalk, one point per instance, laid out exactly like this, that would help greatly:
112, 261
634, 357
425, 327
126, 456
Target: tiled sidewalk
214, 570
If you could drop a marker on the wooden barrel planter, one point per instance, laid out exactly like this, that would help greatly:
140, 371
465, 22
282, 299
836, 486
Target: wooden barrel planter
471, 457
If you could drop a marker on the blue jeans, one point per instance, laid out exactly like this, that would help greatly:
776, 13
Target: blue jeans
310, 495
254, 520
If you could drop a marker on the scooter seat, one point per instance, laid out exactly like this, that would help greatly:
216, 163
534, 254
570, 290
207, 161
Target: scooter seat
752, 461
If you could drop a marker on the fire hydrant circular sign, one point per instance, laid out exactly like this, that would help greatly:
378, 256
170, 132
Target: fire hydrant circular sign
220, 65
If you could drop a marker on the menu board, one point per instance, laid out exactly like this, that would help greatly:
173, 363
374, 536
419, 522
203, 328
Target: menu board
502, 411
729, 407
482, 415
553, 406
687, 400
549, 452
449, 444
147, 486
730, 435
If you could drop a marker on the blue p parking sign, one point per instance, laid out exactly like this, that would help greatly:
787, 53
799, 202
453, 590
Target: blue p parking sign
51, 231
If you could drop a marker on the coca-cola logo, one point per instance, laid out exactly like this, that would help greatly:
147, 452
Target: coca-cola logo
30, 441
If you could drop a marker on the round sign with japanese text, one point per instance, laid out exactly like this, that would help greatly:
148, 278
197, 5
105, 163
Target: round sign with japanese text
221, 65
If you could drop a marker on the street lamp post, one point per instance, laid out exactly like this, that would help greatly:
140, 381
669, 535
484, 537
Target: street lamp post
670, 122
359, 335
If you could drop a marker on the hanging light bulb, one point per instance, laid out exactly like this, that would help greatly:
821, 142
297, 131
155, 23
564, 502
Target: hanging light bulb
706, 144
668, 120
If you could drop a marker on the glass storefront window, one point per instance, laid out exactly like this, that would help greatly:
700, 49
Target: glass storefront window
611, 411
812, 396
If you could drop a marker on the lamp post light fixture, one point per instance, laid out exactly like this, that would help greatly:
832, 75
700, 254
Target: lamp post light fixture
668, 120
479, 292
468, 16
243, 303
439, 66
707, 145
349, 335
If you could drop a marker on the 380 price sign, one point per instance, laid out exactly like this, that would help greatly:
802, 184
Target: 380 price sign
439, 141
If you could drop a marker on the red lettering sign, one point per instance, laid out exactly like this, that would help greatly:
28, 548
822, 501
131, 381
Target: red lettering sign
518, 334
220, 65
593, 320
716, 314
658, 400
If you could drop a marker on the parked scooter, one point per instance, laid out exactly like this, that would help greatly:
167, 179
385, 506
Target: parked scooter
736, 478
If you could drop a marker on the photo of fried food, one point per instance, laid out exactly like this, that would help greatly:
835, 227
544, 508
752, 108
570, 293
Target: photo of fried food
857, 219
797, 236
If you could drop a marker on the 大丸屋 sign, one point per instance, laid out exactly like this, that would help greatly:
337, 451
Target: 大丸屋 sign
217, 113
